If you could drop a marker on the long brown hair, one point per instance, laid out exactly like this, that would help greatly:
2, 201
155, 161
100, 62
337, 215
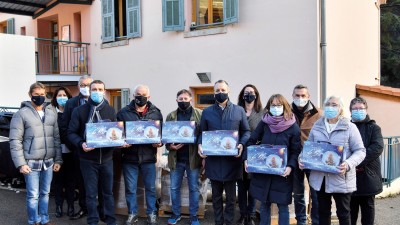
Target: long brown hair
54, 99
287, 110
257, 101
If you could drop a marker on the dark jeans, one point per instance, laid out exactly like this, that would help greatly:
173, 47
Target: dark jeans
367, 205
79, 181
91, 172
247, 204
299, 201
64, 180
226, 216
342, 201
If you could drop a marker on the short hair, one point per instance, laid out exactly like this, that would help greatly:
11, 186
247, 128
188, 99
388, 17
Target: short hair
36, 85
97, 82
183, 91
358, 100
287, 110
143, 86
341, 112
257, 102
84, 77
54, 99
221, 81
300, 86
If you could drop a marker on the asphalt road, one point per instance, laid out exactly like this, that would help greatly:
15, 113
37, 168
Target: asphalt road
13, 211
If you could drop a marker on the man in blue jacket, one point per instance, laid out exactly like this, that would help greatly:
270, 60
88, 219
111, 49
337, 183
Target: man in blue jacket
224, 171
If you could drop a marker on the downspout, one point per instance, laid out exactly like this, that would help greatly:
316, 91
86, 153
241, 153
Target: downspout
323, 53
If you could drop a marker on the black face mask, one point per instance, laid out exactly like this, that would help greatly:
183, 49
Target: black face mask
221, 97
249, 98
38, 100
183, 105
140, 100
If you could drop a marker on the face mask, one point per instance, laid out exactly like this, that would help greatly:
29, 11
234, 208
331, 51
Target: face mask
38, 100
331, 112
183, 105
140, 100
358, 115
276, 110
62, 100
97, 96
84, 91
221, 97
249, 98
300, 102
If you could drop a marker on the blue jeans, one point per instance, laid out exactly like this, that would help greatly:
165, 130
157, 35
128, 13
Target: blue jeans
148, 172
299, 202
37, 195
176, 183
92, 172
265, 214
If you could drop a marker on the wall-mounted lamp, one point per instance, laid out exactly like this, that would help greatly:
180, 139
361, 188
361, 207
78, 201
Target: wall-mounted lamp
204, 77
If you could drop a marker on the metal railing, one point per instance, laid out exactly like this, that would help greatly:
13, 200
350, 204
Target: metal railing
390, 159
8, 109
61, 57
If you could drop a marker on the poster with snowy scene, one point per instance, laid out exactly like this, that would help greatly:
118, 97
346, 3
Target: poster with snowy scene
322, 156
267, 159
220, 143
143, 132
178, 132
106, 134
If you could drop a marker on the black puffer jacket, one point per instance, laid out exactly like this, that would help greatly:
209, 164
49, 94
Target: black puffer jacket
143, 153
369, 178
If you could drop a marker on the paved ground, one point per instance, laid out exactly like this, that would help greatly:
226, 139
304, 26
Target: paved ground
13, 211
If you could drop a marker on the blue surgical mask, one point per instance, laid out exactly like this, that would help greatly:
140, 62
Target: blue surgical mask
276, 110
97, 96
358, 114
331, 112
61, 101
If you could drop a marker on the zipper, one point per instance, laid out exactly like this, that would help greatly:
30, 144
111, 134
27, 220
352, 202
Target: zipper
30, 146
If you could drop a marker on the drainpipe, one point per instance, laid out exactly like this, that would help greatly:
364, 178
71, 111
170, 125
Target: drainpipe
323, 53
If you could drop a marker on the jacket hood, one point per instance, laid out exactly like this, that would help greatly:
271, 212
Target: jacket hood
29, 104
343, 123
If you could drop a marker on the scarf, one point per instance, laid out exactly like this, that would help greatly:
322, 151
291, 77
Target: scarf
278, 124
94, 114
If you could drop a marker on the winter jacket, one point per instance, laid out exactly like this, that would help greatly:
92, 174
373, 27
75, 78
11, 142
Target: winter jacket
34, 139
254, 119
311, 115
139, 153
77, 127
233, 117
194, 158
345, 134
369, 178
275, 188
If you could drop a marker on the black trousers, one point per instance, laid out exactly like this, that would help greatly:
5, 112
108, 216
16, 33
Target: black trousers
79, 181
342, 201
63, 181
367, 205
222, 216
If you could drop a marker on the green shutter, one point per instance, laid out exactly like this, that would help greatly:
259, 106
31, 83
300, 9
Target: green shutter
11, 26
133, 18
107, 16
124, 97
231, 11
173, 15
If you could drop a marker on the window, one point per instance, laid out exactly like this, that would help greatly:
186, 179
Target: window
23, 31
203, 96
7, 26
120, 18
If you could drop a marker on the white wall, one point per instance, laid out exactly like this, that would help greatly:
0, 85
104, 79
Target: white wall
17, 68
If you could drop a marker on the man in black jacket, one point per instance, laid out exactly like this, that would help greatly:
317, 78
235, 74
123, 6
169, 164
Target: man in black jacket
224, 171
72, 103
94, 162
140, 157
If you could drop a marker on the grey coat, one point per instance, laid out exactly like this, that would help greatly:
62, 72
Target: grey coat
30, 138
347, 135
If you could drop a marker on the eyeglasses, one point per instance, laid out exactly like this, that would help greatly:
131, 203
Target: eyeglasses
249, 93
84, 85
331, 104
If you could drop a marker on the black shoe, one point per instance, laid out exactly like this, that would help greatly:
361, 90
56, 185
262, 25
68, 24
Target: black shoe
81, 213
241, 220
250, 220
70, 211
59, 211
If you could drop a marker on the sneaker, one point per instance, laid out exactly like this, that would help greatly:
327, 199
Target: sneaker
174, 219
152, 219
194, 220
132, 219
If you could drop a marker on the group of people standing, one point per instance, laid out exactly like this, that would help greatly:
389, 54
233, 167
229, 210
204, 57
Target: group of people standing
51, 138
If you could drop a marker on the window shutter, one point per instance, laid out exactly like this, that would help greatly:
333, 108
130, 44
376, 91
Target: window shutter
173, 15
124, 97
133, 18
11, 26
231, 11
107, 15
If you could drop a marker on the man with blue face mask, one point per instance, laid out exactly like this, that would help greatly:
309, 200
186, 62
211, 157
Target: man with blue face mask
96, 163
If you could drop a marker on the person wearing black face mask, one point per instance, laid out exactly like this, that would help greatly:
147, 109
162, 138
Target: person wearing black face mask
140, 158
184, 157
224, 171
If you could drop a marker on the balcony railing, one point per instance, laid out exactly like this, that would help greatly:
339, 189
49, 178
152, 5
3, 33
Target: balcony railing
390, 159
61, 57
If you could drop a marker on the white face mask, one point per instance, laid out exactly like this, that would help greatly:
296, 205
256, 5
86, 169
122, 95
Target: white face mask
300, 102
276, 110
84, 91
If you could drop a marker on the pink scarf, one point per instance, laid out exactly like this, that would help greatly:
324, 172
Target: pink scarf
278, 124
